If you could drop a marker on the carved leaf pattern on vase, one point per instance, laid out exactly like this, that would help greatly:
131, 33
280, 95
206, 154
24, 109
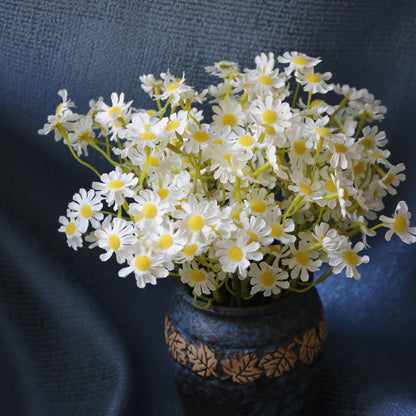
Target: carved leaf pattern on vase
203, 360
243, 371
282, 360
249, 367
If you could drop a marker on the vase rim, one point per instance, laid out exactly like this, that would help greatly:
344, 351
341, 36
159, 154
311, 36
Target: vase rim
241, 310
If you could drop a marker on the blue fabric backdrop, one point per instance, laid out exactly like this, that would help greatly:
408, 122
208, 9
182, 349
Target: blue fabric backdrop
75, 339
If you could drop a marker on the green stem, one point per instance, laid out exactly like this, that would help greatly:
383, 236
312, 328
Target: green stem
64, 134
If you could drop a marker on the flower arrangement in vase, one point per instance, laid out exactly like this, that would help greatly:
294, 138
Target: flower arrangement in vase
242, 191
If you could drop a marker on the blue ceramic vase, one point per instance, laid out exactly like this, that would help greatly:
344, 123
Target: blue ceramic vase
247, 361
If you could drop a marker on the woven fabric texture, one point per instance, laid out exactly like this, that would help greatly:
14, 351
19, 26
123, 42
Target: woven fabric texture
77, 340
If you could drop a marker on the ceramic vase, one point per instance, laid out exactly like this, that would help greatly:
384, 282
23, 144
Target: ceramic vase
247, 361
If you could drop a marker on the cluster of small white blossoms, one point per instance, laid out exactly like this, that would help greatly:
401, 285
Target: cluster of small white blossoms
268, 191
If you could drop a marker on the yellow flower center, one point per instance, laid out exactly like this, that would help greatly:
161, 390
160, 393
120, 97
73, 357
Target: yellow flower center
302, 259
148, 136
197, 276
235, 254
114, 110
323, 131
400, 224
196, 222
172, 125
235, 214
340, 148
151, 112
172, 87
245, 141
70, 228
265, 80
116, 184
269, 129
227, 157
269, 116
201, 136
267, 279
190, 250
388, 179
142, 263
153, 161
114, 242
253, 237
351, 258
149, 211
330, 186
165, 241
258, 206
299, 147
300, 60
305, 189
359, 167
229, 120
276, 231
317, 103
367, 142
163, 193
86, 211
313, 78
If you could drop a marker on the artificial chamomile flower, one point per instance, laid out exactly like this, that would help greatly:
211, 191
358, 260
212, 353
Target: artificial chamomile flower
266, 278
399, 224
72, 232
201, 280
116, 186
116, 236
85, 209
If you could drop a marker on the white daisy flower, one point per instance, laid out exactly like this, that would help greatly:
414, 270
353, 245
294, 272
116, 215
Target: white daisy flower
193, 248
82, 132
148, 83
298, 61
342, 150
149, 209
315, 82
229, 114
273, 114
174, 88
399, 224
146, 266
393, 178
303, 186
372, 139
258, 230
116, 236
198, 217
235, 254
197, 137
223, 69
166, 239
177, 123
301, 263
146, 130
347, 258
369, 106
72, 232
202, 281
279, 231
265, 79
266, 278
113, 117
259, 201
348, 92
85, 208
115, 186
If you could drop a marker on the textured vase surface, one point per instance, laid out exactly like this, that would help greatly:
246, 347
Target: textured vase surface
261, 361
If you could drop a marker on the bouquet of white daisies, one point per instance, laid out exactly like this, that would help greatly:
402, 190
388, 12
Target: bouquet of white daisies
242, 203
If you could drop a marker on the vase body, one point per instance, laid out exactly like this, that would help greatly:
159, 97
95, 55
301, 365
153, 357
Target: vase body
261, 361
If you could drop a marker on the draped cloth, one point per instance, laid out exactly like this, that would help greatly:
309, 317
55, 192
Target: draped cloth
77, 340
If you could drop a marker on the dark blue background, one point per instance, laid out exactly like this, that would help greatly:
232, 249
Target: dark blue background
77, 340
